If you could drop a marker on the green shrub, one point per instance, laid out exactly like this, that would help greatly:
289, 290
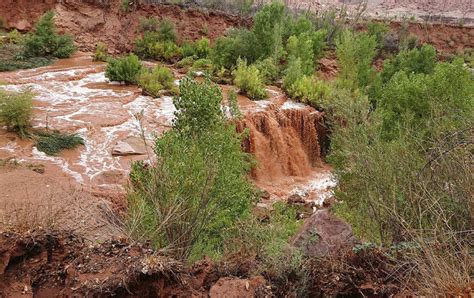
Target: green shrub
292, 73
421, 60
249, 80
125, 5
166, 31
14, 37
268, 29
268, 69
379, 31
355, 53
186, 62
309, 90
54, 142
198, 186
149, 24
44, 41
301, 47
101, 52
16, 111
205, 65
319, 43
158, 79
203, 48
188, 49
125, 69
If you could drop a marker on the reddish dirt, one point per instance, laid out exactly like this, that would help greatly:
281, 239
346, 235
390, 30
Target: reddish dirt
90, 23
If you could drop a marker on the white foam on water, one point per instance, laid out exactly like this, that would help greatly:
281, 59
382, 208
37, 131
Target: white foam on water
293, 105
317, 189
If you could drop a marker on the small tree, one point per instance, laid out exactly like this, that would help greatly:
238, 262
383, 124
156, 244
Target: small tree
46, 42
198, 186
16, 111
101, 52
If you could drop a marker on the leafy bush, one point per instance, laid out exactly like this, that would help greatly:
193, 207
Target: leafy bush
16, 111
355, 52
158, 41
166, 31
101, 52
186, 62
238, 44
198, 186
205, 65
309, 90
54, 142
319, 43
268, 29
379, 31
301, 48
158, 79
14, 37
203, 48
268, 69
292, 73
421, 60
188, 49
44, 41
249, 80
125, 69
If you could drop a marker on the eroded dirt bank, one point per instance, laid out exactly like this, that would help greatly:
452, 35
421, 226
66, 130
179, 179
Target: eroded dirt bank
91, 22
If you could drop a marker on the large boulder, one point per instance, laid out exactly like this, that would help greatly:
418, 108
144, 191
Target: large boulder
323, 233
129, 146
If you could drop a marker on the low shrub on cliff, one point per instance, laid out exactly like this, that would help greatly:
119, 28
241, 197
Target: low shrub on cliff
101, 52
16, 109
45, 41
249, 80
154, 81
125, 69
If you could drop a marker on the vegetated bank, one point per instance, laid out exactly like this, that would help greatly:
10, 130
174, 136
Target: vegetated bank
400, 147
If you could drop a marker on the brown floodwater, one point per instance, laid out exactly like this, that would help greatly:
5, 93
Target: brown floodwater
74, 96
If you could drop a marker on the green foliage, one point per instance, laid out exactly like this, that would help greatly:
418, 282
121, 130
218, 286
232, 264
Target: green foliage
412, 100
14, 37
379, 31
267, 28
125, 5
268, 69
54, 142
238, 43
301, 48
101, 52
309, 90
16, 111
268, 243
45, 41
233, 104
205, 65
198, 186
158, 41
249, 80
186, 62
203, 48
125, 69
319, 43
421, 60
393, 163
292, 73
355, 52
166, 31
155, 80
